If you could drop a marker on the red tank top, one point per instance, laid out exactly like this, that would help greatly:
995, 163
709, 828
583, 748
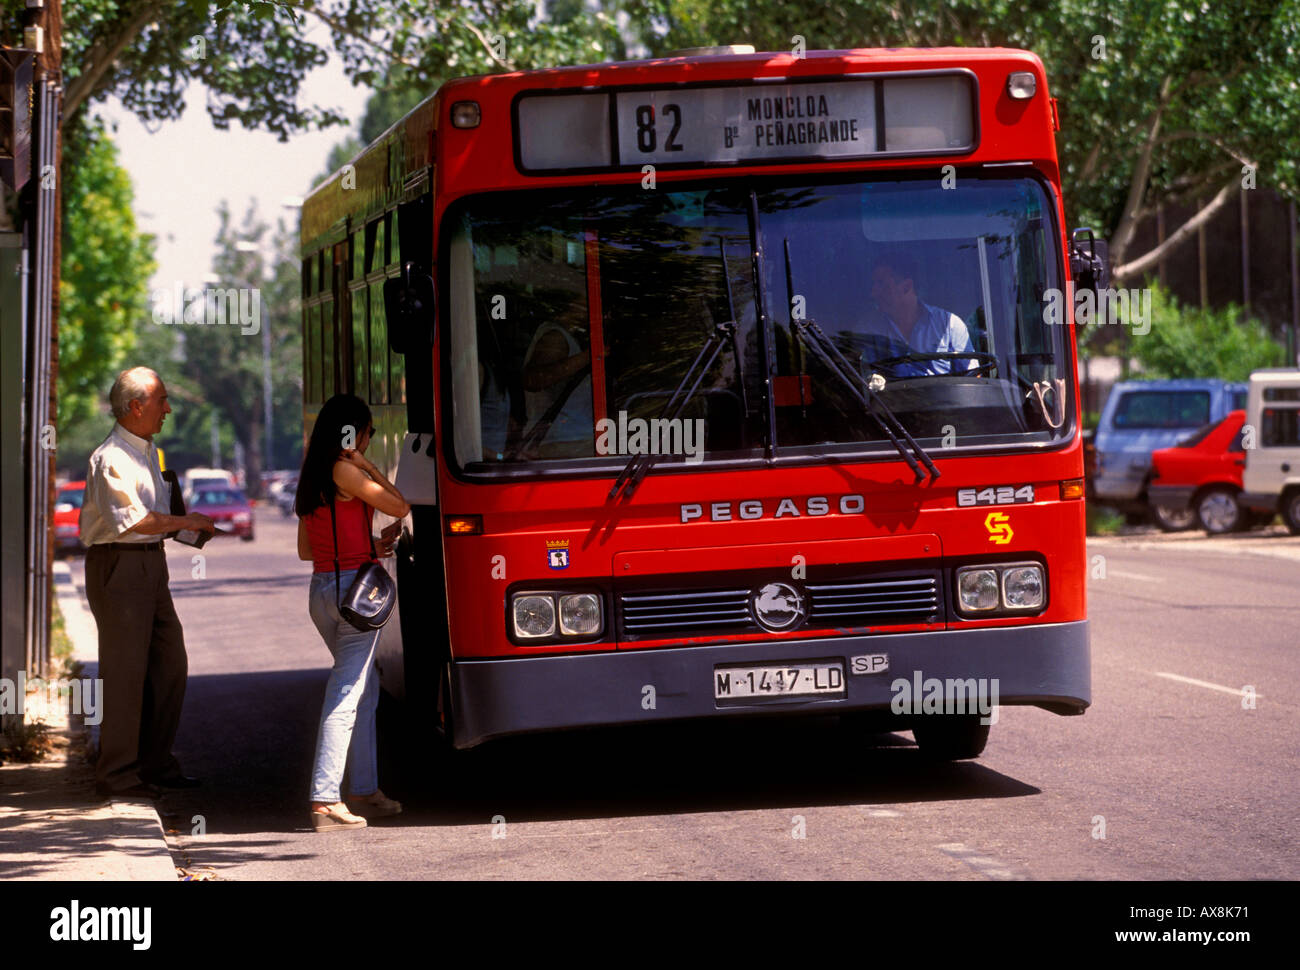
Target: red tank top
353, 517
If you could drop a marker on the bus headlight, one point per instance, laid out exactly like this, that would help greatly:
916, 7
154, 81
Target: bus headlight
1022, 588
580, 615
534, 617
1021, 85
977, 590
998, 589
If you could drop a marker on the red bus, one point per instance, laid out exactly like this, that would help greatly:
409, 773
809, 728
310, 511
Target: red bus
721, 385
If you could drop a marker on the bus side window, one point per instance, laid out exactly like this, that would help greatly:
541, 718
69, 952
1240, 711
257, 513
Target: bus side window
360, 359
312, 390
327, 320
378, 346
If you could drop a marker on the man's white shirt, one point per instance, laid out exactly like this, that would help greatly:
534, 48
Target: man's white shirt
123, 485
936, 332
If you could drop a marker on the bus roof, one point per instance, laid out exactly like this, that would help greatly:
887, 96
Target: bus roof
400, 162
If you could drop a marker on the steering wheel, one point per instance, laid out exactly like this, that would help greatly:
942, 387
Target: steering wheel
987, 363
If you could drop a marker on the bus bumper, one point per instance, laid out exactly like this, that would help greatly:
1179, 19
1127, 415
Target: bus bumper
1045, 665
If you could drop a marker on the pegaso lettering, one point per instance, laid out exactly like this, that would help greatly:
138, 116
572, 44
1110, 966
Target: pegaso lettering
753, 508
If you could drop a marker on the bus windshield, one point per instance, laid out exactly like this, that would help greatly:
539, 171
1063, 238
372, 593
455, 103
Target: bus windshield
935, 295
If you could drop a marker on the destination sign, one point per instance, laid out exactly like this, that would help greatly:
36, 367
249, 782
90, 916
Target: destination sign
830, 120
719, 125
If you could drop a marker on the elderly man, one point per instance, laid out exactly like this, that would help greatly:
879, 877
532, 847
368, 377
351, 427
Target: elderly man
142, 660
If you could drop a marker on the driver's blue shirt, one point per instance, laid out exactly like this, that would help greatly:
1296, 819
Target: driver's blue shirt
936, 332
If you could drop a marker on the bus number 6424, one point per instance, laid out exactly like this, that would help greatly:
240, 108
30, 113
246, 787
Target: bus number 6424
1006, 495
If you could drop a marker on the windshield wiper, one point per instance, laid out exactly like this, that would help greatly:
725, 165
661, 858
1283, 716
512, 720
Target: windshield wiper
637, 466
723, 333
863, 391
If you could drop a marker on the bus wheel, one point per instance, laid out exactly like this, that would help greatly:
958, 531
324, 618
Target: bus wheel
1172, 520
1217, 511
951, 737
1291, 512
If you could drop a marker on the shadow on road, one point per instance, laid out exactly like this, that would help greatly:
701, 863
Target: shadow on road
251, 737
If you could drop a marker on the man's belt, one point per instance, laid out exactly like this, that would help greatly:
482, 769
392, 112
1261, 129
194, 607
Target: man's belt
129, 546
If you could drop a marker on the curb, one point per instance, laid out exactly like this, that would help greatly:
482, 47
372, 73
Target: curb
137, 843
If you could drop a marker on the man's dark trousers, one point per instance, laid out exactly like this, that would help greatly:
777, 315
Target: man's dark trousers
142, 664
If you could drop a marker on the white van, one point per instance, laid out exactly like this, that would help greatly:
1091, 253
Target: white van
197, 478
1271, 479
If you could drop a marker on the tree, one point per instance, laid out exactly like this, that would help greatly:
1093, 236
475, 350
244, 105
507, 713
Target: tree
1161, 101
429, 42
223, 339
250, 57
106, 263
1193, 342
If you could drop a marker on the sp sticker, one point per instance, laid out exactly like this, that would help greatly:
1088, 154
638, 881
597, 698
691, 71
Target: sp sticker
557, 553
871, 663
999, 526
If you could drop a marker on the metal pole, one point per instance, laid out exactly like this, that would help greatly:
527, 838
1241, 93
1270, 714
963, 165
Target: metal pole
1245, 250
1295, 295
266, 390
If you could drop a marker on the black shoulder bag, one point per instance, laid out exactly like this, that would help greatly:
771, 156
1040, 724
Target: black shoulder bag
369, 601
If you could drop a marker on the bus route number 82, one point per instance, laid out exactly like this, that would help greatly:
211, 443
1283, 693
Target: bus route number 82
646, 136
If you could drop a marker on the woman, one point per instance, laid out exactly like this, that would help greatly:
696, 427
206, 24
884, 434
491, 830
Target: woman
342, 478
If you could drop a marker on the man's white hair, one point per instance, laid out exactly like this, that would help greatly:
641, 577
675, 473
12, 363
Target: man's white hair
133, 384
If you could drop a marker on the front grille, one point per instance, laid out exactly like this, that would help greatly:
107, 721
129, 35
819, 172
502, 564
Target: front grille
647, 614
857, 601
871, 601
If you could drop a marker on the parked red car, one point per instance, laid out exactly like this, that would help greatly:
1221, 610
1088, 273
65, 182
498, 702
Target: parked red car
67, 517
1203, 473
227, 507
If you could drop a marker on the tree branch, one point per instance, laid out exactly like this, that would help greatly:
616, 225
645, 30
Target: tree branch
1193, 188
1214, 140
103, 54
1090, 163
1183, 232
334, 24
1141, 173
504, 65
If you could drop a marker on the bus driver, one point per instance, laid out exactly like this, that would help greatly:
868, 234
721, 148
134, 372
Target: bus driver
910, 323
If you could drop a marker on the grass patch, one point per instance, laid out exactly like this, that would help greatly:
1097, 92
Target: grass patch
60, 642
1103, 521
26, 742
61, 647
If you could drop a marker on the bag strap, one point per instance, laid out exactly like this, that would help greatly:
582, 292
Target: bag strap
334, 529
368, 515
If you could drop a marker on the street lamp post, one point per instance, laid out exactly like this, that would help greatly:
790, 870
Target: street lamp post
248, 246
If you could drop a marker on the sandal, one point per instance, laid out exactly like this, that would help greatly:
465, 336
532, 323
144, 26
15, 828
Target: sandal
335, 817
376, 805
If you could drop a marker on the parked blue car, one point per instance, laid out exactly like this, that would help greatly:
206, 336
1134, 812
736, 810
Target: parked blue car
1143, 416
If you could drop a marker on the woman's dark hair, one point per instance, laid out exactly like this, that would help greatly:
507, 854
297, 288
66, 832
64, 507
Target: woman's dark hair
342, 414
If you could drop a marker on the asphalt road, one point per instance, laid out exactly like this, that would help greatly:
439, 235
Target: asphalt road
1181, 779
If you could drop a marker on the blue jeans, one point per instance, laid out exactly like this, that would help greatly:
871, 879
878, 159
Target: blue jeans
347, 722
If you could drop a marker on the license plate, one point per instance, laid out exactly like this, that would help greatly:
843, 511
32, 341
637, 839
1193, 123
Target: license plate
786, 680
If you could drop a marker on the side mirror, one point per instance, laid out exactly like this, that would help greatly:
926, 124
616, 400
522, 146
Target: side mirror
1089, 260
409, 304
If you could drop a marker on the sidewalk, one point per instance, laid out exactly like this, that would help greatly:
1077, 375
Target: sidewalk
52, 825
